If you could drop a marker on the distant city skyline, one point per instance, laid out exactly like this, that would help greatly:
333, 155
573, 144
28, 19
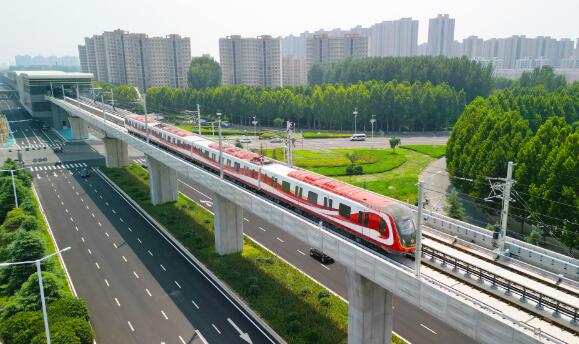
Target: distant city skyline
206, 22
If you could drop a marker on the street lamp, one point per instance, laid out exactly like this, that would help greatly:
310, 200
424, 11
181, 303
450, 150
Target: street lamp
143, 99
355, 115
220, 146
254, 122
14, 184
40, 285
372, 121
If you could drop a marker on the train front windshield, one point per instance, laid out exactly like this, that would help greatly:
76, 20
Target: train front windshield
404, 224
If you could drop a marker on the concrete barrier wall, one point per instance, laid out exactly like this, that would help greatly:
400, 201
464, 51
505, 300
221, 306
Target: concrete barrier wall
476, 320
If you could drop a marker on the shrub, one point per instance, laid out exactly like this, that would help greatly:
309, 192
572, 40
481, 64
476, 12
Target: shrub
293, 326
325, 302
29, 207
68, 307
349, 170
25, 247
254, 289
252, 280
81, 328
292, 316
359, 169
312, 336
29, 224
29, 294
21, 328
305, 292
323, 294
14, 219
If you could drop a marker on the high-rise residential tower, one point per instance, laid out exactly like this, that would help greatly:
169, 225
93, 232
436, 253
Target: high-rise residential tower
394, 38
326, 49
250, 61
441, 35
135, 59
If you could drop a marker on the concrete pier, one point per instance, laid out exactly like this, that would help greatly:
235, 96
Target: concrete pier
79, 128
370, 312
117, 153
228, 226
163, 182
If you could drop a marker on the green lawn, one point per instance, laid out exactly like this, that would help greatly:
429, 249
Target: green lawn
333, 162
435, 151
287, 299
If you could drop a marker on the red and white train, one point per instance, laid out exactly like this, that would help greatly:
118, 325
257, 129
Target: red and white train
375, 219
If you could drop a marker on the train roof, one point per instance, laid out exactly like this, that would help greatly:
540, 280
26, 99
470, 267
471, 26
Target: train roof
141, 118
238, 152
341, 188
174, 130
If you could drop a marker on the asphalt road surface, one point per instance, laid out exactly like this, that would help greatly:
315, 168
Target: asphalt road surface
138, 287
410, 322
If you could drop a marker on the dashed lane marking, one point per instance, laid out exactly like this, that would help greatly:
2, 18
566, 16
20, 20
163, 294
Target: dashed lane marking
164, 315
195, 304
303, 254
216, 329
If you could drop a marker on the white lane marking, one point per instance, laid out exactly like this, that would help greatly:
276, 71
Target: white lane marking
82, 238
107, 203
429, 329
130, 230
164, 315
97, 265
71, 220
182, 340
117, 301
107, 283
148, 292
139, 240
87, 208
263, 229
89, 251
279, 239
135, 273
178, 285
216, 329
162, 267
75, 227
124, 258
303, 254
325, 267
131, 326
115, 245
194, 304
120, 218
62, 203
82, 200
76, 192
100, 224
92, 214
199, 192
66, 210
101, 196
107, 234
114, 212
245, 219
151, 253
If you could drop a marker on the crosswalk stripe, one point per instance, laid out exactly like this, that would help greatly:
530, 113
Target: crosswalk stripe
66, 165
33, 169
74, 165
84, 164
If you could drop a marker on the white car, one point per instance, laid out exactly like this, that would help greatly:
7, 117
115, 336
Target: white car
358, 137
245, 141
276, 140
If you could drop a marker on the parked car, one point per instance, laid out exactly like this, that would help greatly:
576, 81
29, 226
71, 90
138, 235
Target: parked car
276, 140
321, 256
246, 140
358, 137
85, 173
58, 163
57, 149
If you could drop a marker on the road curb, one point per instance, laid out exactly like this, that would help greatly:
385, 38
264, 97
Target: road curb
189, 255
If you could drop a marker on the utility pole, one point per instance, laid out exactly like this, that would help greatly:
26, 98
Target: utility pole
14, 188
62, 86
254, 122
199, 118
220, 146
418, 250
289, 143
504, 186
146, 120
372, 121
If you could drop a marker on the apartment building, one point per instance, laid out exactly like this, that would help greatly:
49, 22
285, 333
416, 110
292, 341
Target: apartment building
294, 71
393, 38
120, 57
441, 35
326, 49
250, 61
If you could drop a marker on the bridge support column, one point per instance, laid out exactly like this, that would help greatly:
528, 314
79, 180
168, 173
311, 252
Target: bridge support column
163, 182
228, 226
370, 311
117, 153
79, 128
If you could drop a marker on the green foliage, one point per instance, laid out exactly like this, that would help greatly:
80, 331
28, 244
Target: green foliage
14, 219
278, 122
27, 246
21, 328
435, 151
534, 237
537, 130
398, 106
68, 307
459, 73
543, 76
30, 224
353, 156
394, 142
455, 209
204, 72
569, 238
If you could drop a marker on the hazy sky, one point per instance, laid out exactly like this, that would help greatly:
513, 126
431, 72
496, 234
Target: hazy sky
56, 27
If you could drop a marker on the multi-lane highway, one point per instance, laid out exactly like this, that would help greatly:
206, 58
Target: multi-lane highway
138, 287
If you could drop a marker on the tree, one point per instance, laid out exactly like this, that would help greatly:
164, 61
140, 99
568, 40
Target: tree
569, 238
394, 142
27, 246
543, 76
534, 237
204, 72
316, 75
14, 219
278, 122
454, 208
353, 156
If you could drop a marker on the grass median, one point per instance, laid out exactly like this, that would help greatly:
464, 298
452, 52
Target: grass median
435, 151
297, 308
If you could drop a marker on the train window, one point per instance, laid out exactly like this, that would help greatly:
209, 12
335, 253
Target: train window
382, 227
325, 202
237, 166
285, 186
366, 219
301, 192
330, 205
296, 190
245, 169
344, 210
312, 197
360, 215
